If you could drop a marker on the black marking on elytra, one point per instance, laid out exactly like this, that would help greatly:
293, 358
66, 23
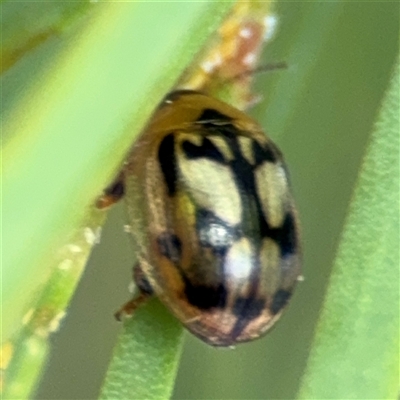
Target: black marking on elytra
285, 236
245, 309
263, 154
243, 172
166, 157
207, 150
170, 246
201, 296
280, 300
254, 223
206, 297
288, 238
211, 117
248, 307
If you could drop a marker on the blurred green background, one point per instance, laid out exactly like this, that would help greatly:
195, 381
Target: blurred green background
320, 112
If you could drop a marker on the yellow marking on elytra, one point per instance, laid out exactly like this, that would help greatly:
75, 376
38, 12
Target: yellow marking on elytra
273, 202
221, 145
246, 148
201, 175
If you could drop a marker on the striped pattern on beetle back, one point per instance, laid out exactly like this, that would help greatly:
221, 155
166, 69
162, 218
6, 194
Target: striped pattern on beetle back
240, 189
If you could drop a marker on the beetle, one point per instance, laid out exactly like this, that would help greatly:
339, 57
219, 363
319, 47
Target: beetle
213, 218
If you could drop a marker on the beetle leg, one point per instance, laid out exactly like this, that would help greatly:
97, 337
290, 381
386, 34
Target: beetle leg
145, 292
112, 194
131, 306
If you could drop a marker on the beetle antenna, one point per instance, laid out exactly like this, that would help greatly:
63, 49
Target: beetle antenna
262, 68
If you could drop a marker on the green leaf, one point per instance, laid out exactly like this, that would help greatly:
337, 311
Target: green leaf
26, 28
355, 350
67, 129
29, 357
146, 357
